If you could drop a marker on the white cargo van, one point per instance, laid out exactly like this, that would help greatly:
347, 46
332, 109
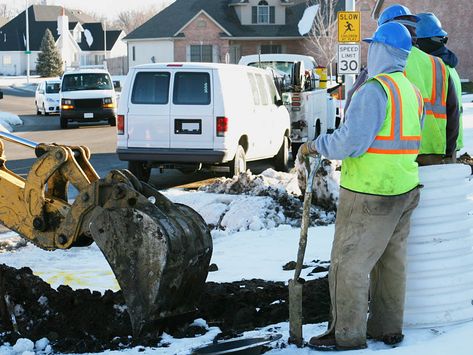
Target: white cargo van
87, 95
200, 115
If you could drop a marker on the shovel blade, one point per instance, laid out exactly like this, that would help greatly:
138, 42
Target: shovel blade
295, 313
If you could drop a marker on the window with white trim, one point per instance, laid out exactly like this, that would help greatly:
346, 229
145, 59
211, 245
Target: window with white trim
263, 13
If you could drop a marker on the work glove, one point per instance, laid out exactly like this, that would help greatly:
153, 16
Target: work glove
304, 151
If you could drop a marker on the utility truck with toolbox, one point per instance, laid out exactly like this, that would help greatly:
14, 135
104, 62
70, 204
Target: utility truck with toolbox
200, 115
311, 107
87, 95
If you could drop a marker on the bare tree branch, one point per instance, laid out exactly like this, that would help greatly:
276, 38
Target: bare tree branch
321, 41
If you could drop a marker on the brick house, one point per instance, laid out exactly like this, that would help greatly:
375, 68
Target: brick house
218, 31
454, 15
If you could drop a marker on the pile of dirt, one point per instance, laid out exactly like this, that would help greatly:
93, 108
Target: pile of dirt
284, 190
84, 321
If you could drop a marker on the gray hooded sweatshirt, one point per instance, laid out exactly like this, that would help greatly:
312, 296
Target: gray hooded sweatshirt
367, 111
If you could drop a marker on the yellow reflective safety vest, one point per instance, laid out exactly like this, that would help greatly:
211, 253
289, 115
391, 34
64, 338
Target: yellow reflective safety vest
458, 88
430, 75
389, 166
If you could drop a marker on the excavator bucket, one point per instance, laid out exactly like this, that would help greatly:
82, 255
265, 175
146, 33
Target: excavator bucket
159, 252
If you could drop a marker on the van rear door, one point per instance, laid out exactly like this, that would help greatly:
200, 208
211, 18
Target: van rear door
149, 110
192, 109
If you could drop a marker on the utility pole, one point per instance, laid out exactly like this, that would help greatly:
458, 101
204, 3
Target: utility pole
105, 39
349, 78
27, 45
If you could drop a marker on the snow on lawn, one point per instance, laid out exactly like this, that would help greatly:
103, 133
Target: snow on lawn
246, 245
7, 120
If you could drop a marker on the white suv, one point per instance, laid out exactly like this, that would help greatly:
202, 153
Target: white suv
47, 97
194, 115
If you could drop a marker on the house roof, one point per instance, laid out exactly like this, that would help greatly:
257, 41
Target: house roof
42, 17
168, 22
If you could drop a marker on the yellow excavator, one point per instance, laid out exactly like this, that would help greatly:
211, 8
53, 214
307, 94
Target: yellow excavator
159, 251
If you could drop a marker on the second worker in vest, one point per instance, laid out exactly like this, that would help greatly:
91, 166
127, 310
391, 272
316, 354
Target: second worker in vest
430, 75
432, 39
378, 143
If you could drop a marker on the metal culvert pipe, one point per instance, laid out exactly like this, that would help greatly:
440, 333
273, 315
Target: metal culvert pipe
439, 289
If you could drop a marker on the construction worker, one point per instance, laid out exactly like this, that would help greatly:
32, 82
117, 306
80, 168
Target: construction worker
432, 39
430, 75
378, 143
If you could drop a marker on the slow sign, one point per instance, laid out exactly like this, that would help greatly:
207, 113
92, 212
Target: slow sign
349, 24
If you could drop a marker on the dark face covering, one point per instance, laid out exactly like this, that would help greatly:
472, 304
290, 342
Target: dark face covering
429, 45
436, 46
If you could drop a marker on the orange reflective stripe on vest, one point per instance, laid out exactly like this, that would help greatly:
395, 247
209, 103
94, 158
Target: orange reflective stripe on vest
437, 104
397, 142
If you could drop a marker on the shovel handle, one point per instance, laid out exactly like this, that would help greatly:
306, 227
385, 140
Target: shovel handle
312, 165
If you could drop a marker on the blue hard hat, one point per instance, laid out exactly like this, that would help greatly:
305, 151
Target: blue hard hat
393, 34
429, 26
394, 11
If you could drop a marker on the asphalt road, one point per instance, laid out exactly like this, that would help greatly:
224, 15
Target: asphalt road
101, 140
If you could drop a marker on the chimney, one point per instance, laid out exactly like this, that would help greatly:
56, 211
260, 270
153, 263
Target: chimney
62, 22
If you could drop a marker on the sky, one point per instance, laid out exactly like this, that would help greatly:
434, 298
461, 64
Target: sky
105, 8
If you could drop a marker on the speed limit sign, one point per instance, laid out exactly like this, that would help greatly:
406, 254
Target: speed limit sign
348, 59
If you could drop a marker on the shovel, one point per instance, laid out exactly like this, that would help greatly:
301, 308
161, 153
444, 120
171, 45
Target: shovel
295, 285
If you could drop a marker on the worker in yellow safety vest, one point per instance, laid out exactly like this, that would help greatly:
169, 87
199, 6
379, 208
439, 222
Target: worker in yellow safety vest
431, 76
378, 144
432, 39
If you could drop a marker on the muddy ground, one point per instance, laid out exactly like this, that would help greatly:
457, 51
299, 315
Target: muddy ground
84, 321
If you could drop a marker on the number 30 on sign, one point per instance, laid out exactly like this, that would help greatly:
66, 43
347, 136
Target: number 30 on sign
348, 59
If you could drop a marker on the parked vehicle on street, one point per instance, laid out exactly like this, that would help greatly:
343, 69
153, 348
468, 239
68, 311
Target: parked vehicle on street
200, 115
47, 97
87, 95
311, 108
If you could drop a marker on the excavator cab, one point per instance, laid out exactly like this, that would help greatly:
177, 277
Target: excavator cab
158, 250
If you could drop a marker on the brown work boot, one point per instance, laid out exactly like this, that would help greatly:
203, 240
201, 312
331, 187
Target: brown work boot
328, 343
388, 339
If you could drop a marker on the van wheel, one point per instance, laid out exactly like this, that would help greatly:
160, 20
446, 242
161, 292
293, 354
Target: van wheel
38, 112
112, 121
64, 122
140, 170
281, 160
238, 164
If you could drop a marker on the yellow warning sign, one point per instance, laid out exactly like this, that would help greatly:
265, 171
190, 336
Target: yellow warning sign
349, 24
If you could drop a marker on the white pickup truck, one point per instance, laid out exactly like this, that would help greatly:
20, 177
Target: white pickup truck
312, 109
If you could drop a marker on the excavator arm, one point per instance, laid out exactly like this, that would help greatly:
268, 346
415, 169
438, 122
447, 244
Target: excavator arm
159, 251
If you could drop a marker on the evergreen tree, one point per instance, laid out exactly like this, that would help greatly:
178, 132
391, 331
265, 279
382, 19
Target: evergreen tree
49, 61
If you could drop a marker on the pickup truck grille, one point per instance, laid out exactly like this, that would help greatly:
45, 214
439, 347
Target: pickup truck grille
88, 103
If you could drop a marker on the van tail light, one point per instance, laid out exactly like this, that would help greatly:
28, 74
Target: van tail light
222, 126
121, 124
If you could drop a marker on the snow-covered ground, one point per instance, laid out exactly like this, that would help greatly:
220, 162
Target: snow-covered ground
21, 82
7, 120
253, 242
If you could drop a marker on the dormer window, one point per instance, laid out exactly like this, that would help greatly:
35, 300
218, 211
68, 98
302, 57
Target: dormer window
263, 13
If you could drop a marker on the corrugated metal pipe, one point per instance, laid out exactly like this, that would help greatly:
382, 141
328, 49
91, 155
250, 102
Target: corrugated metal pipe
440, 249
